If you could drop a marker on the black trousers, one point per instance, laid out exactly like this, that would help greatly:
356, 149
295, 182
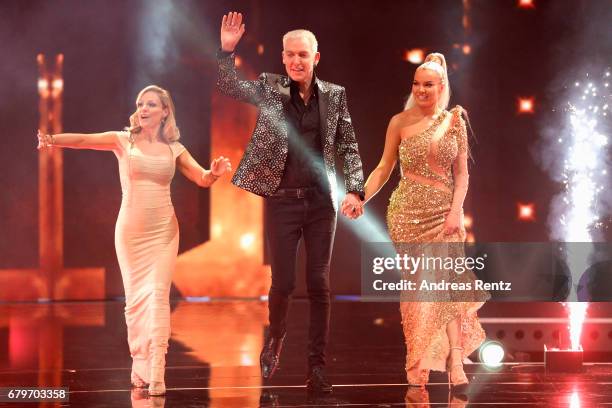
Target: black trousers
288, 220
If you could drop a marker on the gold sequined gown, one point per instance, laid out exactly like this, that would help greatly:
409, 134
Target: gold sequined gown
416, 215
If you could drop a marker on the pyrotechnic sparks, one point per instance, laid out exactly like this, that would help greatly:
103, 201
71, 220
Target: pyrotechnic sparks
584, 172
584, 176
577, 313
574, 401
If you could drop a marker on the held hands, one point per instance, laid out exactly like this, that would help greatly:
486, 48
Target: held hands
44, 141
352, 206
231, 31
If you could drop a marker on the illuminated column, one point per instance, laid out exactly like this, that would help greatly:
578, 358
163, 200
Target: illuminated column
51, 280
50, 161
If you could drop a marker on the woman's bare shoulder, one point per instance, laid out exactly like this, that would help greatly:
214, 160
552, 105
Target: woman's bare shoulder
406, 118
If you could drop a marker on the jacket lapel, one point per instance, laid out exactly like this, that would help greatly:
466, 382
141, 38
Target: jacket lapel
283, 88
323, 110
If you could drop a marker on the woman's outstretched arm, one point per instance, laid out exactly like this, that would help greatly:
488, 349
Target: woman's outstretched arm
95, 141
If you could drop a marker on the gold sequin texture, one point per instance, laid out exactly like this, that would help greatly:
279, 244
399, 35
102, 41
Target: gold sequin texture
261, 168
416, 214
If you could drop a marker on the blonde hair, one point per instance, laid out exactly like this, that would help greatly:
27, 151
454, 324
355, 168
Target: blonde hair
168, 129
437, 63
303, 34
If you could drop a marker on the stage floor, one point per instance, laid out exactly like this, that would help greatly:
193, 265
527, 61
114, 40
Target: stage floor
213, 361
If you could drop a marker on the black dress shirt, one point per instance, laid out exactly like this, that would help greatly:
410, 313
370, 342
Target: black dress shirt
304, 166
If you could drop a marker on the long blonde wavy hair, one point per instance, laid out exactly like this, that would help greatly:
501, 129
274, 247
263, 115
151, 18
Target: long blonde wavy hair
168, 129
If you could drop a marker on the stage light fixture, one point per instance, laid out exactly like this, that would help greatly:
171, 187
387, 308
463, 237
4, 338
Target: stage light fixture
245, 359
217, 230
526, 105
568, 360
247, 240
526, 4
415, 56
43, 88
491, 354
58, 84
563, 361
526, 212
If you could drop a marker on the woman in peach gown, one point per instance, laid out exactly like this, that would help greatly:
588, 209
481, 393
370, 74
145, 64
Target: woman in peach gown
146, 233
427, 207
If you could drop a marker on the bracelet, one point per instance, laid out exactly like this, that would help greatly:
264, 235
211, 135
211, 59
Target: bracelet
48, 140
215, 178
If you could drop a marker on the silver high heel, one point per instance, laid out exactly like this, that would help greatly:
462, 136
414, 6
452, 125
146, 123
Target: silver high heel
456, 375
157, 386
137, 381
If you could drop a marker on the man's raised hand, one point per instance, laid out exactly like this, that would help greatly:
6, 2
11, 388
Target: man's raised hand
231, 31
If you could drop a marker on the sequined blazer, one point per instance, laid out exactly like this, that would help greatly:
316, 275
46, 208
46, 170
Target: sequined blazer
261, 168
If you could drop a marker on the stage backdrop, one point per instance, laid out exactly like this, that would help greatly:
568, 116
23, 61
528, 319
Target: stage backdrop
496, 53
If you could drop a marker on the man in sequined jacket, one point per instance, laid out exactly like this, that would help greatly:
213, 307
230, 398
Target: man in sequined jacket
303, 124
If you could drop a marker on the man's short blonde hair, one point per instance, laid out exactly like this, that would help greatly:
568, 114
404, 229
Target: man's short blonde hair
303, 34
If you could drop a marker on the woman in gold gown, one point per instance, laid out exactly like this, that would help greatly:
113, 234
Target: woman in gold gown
425, 208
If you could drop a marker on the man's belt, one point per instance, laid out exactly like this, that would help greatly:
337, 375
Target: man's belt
300, 192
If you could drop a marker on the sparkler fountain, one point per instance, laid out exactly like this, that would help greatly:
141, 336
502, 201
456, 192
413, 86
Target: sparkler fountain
584, 173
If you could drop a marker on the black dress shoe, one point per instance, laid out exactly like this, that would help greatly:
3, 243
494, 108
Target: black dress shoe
270, 356
268, 399
316, 382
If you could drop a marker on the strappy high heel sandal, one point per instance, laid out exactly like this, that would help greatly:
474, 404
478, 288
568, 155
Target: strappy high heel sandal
456, 375
419, 379
137, 382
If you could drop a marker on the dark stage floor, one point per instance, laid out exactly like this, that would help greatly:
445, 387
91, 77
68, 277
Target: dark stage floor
213, 361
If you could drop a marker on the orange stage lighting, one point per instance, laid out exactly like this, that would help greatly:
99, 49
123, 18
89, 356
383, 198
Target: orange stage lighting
468, 221
526, 105
526, 4
247, 240
467, 49
414, 56
260, 49
526, 212
51, 280
231, 262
